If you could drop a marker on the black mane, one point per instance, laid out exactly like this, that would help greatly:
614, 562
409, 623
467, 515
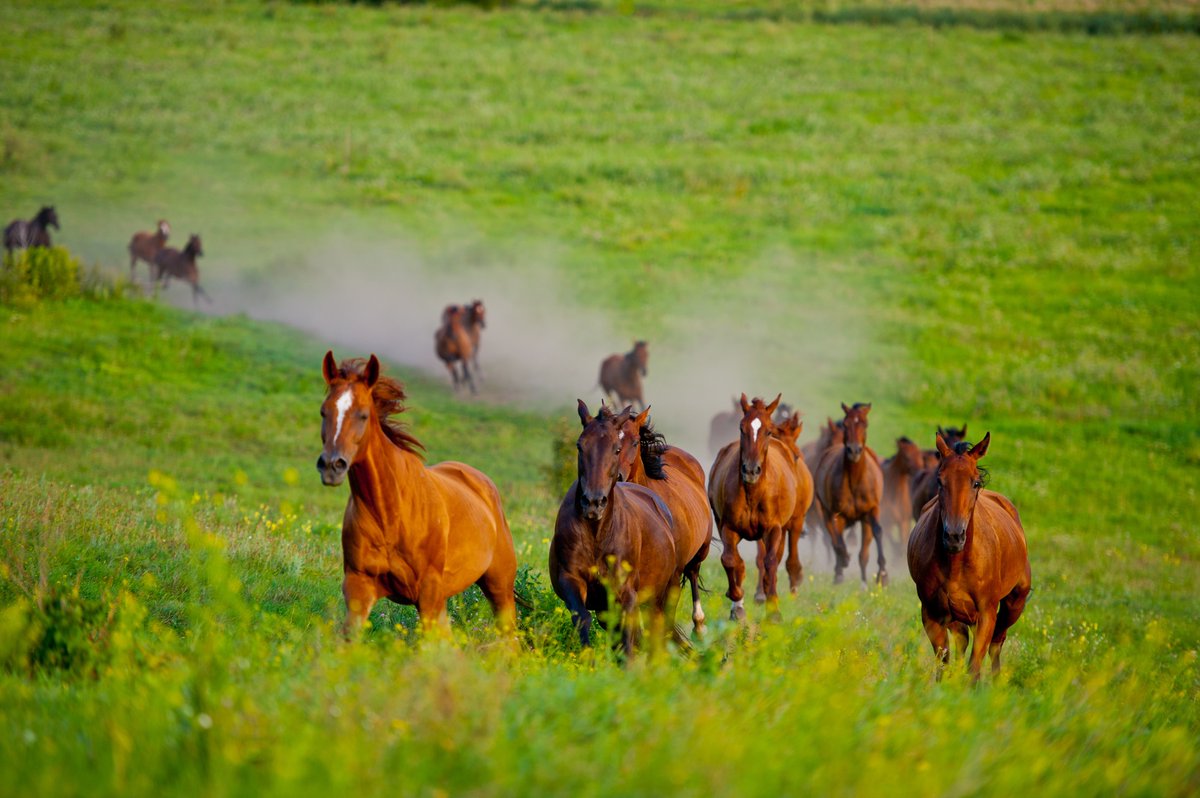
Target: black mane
652, 444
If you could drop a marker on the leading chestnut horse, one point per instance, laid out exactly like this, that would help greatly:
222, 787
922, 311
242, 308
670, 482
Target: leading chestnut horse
411, 533
849, 487
613, 535
787, 433
678, 479
752, 492
968, 559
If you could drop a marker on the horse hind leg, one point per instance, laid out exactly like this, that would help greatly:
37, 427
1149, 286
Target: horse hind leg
735, 572
794, 569
692, 574
760, 562
468, 376
882, 576
499, 590
938, 638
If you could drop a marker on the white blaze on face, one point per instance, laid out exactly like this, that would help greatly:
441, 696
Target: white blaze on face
755, 425
343, 404
621, 435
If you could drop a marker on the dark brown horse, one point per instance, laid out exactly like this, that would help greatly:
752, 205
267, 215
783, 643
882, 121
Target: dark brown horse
850, 487
410, 533
787, 432
170, 262
831, 434
968, 559
22, 234
452, 343
898, 473
678, 479
752, 492
622, 375
613, 536
924, 484
144, 246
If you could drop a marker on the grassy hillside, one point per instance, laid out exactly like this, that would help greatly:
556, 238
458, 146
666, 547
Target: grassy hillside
955, 223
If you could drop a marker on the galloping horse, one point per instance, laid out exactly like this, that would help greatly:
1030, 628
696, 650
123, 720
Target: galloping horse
622, 374
924, 484
787, 432
411, 533
968, 559
22, 234
476, 321
613, 535
144, 246
752, 492
452, 343
898, 472
850, 487
678, 479
170, 262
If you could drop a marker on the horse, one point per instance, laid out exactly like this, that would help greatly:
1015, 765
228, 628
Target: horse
613, 535
476, 321
898, 472
677, 478
968, 559
788, 431
411, 533
22, 234
622, 374
850, 487
924, 484
452, 343
170, 262
144, 246
752, 492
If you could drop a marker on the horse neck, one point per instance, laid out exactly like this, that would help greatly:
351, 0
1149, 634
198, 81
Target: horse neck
383, 477
851, 471
899, 475
637, 472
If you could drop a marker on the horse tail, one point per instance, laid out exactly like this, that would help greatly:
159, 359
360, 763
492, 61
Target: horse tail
522, 601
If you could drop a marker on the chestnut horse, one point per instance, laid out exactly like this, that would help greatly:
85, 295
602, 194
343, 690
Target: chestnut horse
752, 491
968, 559
22, 234
170, 262
476, 322
850, 487
924, 484
622, 374
678, 479
452, 343
613, 535
144, 246
787, 432
898, 473
410, 533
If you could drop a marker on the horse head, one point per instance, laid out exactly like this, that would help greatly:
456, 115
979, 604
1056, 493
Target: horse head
640, 356
477, 313
194, 248
854, 426
164, 229
789, 433
346, 416
48, 217
756, 430
953, 435
910, 455
600, 447
959, 480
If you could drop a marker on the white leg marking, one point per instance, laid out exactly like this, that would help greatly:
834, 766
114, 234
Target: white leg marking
697, 612
739, 604
343, 404
754, 427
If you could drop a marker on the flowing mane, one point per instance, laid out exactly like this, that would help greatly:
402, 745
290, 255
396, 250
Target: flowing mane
388, 395
652, 445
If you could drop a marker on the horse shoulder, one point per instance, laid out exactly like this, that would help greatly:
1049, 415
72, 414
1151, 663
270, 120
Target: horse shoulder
922, 553
654, 530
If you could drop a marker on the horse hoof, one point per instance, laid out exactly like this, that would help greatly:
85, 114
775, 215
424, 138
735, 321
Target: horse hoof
838, 579
882, 579
760, 598
775, 617
737, 614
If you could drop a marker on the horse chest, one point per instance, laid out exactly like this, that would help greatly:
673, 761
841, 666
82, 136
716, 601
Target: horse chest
953, 603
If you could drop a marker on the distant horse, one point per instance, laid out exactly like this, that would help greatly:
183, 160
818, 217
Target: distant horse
144, 246
22, 234
898, 472
411, 533
924, 484
170, 262
787, 432
452, 343
850, 487
752, 492
678, 479
968, 559
622, 374
476, 321
613, 535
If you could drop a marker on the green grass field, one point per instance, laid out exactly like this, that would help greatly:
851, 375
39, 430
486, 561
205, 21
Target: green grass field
992, 222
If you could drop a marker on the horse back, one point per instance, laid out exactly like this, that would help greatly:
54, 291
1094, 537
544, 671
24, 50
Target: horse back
653, 529
683, 491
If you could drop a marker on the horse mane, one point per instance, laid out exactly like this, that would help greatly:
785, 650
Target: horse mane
859, 405
43, 216
905, 439
652, 444
388, 395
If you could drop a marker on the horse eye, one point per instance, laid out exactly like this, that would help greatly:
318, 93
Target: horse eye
617, 450
363, 416
978, 484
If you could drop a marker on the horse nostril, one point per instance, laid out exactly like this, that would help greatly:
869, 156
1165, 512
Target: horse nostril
603, 501
340, 464
321, 463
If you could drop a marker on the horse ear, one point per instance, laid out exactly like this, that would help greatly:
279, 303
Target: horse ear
585, 417
329, 367
372, 375
845, 409
980, 449
640, 418
940, 431
964, 429
866, 408
771, 407
745, 403
943, 449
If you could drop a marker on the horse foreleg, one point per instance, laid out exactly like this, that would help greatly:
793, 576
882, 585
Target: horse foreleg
936, 632
835, 525
760, 562
794, 568
961, 638
985, 625
576, 601
360, 596
774, 550
431, 606
468, 376
693, 575
735, 572
453, 373
630, 618
882, 576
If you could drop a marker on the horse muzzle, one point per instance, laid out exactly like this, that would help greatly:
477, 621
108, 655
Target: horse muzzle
751, 473
954, 537
855, 452
333, 469
593, 506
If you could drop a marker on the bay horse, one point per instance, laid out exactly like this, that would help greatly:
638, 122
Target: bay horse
144, 246
924, 484
613, 536
476, 321
622, 374
850, 487
35, 232
170, 262
752, 492
411, 533
787, 433
968, 559
677, 478
898, 473
452, 343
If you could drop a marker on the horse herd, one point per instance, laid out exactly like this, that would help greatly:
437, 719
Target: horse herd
636, 525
